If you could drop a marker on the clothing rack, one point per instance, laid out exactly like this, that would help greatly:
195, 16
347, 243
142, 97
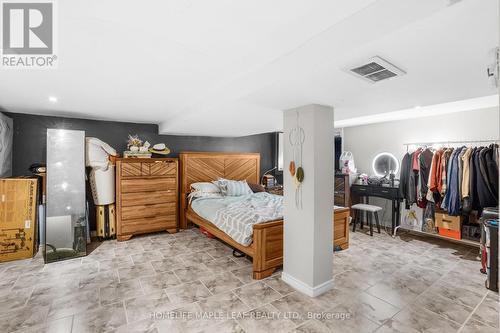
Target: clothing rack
446, 143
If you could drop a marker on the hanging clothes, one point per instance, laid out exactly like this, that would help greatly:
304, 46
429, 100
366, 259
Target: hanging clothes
465, 193
449, 177
453, 194
409, 178
425, 160
465, 173
458, 180
496, 156
484, 189
432, 171
415, 159
460, 170
484, 169
434, 183
444, 170
405, 176
492, 168
473, 194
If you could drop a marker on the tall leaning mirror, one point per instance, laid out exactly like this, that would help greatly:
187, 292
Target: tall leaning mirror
65, 231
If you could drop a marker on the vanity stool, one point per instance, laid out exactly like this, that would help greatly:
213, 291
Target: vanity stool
369, 209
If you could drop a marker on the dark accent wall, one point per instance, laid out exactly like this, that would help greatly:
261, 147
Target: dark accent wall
30, 139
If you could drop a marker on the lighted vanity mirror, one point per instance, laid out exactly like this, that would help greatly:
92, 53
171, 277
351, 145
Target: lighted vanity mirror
385, 164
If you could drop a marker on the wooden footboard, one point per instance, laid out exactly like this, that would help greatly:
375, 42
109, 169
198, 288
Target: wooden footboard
266, 249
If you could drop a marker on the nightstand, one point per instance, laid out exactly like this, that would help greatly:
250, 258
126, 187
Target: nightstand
278, 190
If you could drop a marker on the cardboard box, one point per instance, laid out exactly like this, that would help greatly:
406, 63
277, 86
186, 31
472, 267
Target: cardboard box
448, 222
18, 218
449, 226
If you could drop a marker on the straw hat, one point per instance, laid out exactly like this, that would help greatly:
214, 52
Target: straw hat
159, 148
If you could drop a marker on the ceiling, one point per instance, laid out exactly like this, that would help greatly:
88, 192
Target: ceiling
228, 68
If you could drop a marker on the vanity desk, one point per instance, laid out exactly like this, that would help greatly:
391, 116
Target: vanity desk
389, 192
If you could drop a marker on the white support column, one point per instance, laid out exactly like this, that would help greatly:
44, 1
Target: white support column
308, 234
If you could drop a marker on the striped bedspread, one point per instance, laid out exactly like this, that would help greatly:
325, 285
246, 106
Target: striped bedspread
238, 218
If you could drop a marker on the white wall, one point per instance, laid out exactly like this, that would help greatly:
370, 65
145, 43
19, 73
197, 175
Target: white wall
368, 140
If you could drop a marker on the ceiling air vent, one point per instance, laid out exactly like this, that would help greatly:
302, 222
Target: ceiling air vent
376, 69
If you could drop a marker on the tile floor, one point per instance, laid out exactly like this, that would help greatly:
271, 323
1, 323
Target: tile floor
382, 284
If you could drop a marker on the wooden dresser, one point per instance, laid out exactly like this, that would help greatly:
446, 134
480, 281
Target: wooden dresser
341, 227
146, 196
342, 191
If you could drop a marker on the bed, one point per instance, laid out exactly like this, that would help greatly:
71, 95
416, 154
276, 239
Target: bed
266, 248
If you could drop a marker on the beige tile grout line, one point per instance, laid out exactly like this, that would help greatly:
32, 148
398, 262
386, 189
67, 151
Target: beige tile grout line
472, 313
125, 310
430, 286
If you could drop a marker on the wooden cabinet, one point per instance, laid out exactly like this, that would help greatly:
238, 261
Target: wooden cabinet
341, 227
146, 196
342, 191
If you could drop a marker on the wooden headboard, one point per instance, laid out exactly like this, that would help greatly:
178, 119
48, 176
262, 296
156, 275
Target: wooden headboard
209, 166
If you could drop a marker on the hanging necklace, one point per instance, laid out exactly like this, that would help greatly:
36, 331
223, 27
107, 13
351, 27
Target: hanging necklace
296, 138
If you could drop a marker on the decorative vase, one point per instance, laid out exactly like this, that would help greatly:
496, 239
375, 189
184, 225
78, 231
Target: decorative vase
134, 149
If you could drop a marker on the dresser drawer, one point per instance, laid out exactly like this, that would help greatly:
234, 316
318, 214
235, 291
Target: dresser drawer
131, 169
149, 169
159, 169
141, 198
339, 199
339, 229
147, 211
148, 224
360, 189
384, 191
148, 184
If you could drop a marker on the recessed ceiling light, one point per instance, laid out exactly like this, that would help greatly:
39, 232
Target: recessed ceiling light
53, 99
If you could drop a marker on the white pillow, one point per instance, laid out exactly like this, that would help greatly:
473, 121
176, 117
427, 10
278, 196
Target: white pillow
234, 187
199, 194
205, 187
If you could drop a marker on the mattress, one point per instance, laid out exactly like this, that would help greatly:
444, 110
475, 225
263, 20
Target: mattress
237, 215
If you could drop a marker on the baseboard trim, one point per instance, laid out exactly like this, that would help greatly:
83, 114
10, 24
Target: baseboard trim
305, 288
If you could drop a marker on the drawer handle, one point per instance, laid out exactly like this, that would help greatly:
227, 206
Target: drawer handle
150, 217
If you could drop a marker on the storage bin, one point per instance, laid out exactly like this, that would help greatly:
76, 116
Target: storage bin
471, 232
446, 221
455, 234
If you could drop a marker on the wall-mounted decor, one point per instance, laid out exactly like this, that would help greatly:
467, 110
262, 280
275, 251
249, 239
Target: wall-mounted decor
296, 138
6, 137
